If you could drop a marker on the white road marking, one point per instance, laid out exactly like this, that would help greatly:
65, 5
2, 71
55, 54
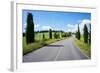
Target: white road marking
57, 54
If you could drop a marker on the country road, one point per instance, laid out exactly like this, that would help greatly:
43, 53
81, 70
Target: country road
58, 51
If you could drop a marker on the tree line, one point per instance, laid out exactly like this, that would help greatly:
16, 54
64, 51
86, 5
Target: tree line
30, 33
86, 34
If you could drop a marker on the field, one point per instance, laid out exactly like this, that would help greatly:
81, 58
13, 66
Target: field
86, 48
39, 42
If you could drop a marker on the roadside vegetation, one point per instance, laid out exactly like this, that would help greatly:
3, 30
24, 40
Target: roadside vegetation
86, 48
84, 40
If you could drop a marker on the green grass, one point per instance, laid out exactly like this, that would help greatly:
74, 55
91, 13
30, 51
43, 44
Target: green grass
39, 36
86, 48
38, 43
30, 47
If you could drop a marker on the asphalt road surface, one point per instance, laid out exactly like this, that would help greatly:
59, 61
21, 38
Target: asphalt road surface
58, 51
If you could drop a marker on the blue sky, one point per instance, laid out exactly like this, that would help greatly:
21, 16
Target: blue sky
66, 21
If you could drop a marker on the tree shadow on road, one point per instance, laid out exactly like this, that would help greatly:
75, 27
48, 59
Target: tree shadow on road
55, 45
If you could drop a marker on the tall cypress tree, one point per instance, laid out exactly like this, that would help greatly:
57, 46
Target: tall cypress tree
85, 35
43, 36
50, 34
78, 33
30, 35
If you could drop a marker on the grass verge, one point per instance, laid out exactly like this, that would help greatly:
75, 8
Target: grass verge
86, 48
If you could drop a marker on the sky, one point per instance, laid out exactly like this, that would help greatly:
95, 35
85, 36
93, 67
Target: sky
56, 20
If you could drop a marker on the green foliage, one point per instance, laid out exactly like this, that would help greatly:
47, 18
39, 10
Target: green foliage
85, 35
86, 48
50, 34
56, 35
78, 35
68, 34
36, 45
43, 36
41, 39
39, 36
63, 35
44, 39
23, 34
30, 35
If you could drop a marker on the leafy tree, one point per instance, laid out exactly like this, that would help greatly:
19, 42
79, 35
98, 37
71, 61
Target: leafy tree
69, 34
58, 34
63, 34
50, 34
55, 35
30, 35
85, 35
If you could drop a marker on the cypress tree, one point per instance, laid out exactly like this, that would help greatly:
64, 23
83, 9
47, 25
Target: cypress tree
50, 34
43, 36
30, 35
78, 33
85, 35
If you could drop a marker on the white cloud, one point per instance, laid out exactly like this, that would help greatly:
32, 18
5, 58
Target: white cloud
71, 27
83, 22
37, 25
24, 27
46, 27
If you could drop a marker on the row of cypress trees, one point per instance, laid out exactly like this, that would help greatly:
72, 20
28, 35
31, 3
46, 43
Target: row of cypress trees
30, 34
86, 34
